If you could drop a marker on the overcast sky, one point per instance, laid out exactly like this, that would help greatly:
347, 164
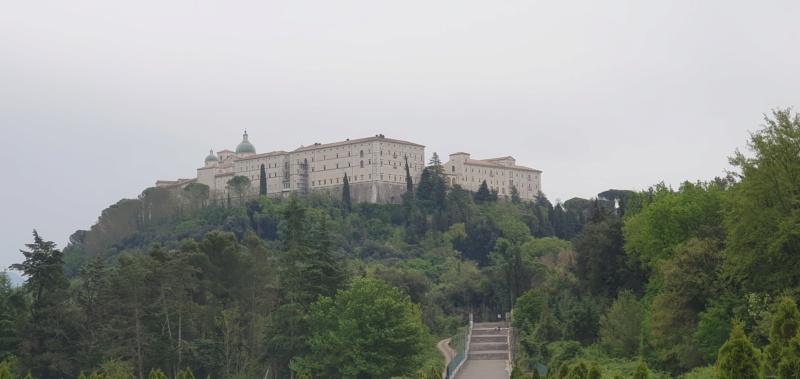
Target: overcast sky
99, 99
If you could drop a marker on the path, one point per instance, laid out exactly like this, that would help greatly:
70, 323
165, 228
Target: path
448, 353
488, 353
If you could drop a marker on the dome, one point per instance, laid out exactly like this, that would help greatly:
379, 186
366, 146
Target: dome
245, 146
211, 157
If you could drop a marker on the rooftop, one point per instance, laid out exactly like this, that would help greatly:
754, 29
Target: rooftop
378, 137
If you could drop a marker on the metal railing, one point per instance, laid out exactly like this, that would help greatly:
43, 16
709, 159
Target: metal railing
461, 356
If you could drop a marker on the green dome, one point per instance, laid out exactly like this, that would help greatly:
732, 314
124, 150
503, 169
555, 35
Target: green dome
211, 157
245, 146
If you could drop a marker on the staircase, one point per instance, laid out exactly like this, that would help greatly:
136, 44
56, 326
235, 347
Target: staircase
487, 356
489, 343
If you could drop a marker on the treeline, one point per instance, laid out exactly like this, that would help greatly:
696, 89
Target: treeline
698, 281
276, 288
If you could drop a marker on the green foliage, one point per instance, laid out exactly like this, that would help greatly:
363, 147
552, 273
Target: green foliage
763, 244
262, 181
642, 371
785, 327
347, 202
738, 358
621, 328
789, 366
528, 309
668, 219
5, 370
239, 185
578, 371
372, 329
595, 372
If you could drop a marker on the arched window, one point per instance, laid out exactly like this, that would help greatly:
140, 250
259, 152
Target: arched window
454, 169
362, 163
362, 153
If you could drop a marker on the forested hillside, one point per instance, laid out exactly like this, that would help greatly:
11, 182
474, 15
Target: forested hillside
641, 283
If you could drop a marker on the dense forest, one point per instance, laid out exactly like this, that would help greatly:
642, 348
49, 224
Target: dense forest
698, 281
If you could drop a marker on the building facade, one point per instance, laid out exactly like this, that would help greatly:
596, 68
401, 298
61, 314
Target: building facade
375, 168
500, 174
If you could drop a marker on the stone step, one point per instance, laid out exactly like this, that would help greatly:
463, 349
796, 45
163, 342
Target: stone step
484, 339
488, 346
488, 331
486, 356
489, 325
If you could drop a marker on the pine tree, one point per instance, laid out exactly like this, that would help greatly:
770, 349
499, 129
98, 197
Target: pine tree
738, 358
347, 204
263, 181
81, 376
642, 372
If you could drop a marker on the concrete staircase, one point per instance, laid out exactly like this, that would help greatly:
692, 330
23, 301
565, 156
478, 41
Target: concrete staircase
488, 343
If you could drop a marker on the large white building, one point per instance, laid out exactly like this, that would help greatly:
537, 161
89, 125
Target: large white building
500, 175
375, 168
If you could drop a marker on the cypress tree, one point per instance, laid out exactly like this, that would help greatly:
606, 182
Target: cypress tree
642, 372
789, 366
483, 195
785, 326
738, 358
5, 371
263, 181
347, 204
409, 181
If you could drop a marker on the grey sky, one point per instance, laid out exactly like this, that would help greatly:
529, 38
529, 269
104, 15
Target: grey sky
98, 99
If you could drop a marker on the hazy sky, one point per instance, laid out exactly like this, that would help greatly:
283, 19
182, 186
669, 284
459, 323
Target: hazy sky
99, 99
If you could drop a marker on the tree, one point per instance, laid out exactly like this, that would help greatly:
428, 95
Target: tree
579, 371
347, 204
409, 181
528, 309
47, 345
483, 195
641, 372
594, 371
621, 328
785, 327
515, 198
239, 185
372, 330
760, 214
738, 358
196, 193
262, 181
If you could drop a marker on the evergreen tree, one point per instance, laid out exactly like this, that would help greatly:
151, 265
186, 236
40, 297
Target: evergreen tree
47, 344
563, 371
347, 204
483, 195
789, 366
579, 371
262, 181
785, 326
738, 358
409, 181
594, 371
5, 371
515, 198
642, 372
